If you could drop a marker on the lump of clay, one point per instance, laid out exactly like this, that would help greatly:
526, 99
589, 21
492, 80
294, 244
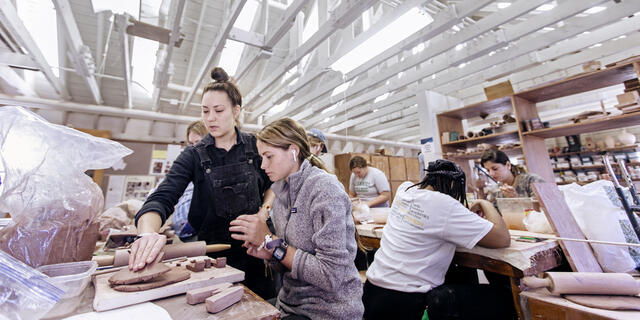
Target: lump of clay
220, 262
199, 295
149, 272
224, 299
173, 276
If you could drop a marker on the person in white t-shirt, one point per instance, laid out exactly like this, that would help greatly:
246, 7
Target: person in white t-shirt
369, 184
426, 223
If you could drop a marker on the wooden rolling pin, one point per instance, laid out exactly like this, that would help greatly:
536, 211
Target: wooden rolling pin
189, 249
585, 283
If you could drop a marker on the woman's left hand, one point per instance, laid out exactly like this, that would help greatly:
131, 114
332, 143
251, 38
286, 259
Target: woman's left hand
249, 228
260, 254
508, 191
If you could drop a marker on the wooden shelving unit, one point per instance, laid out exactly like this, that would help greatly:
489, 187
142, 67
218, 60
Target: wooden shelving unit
620, 148
477, 155
523, 106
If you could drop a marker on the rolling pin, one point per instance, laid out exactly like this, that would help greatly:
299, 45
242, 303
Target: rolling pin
189, 249
585, 283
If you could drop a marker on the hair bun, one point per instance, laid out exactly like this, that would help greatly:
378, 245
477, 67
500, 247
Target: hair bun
219, 75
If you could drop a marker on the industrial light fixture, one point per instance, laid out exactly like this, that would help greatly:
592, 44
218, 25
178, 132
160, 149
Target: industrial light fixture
595, 10
502, 5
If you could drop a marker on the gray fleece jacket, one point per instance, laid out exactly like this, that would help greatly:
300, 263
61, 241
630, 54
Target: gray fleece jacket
312, 213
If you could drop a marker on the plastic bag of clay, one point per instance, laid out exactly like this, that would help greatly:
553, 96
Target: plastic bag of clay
24, 291
536, 221
361, 212
52, 202
599, 214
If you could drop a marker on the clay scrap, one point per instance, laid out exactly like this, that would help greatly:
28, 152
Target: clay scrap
207, 263
199, 295
197, 266
173, 276
224, 299
220, 262
151, 271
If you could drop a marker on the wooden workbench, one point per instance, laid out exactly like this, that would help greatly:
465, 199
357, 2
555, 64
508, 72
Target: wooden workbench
543, 305
516, 261
178, 308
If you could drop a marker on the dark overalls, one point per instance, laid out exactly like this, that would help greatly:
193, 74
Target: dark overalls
234, 192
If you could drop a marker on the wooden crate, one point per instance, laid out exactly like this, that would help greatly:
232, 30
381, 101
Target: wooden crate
413, 169
397, 169
341, 166
499, 90
382, 163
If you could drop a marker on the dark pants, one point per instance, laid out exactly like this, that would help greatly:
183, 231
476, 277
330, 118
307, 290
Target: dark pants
460, 297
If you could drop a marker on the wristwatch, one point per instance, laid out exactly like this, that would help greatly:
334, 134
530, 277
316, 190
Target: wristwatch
280, 251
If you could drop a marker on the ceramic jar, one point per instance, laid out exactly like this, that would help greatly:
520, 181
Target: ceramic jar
626, 138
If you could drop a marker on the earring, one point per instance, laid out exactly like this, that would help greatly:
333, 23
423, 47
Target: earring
294, 155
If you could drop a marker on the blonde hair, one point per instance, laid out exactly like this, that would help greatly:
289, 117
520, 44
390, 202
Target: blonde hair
198, 128
284, 132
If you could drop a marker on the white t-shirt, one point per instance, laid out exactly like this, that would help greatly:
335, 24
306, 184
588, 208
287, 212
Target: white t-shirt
369, 187
420, 237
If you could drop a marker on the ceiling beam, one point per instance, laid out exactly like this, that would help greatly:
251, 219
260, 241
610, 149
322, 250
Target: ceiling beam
442, 62
194, 48
347, 11
408, 105
523, 53
10, 20
393, 126
122, 21
274, 36
401, 133
247, 37
162, 75
436, 49
215, 50
79, 53
18, 60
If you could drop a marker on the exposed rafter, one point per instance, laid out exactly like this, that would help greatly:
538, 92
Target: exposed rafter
215, 50
13, 24
122, 21
161, 74
79, 53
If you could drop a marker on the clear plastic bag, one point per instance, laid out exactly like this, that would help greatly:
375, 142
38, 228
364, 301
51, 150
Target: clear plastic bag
51, 201
25, 292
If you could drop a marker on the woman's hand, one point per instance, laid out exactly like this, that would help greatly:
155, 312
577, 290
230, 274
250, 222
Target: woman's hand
476, 207
263, 253
145, 250
508, 191
249, 228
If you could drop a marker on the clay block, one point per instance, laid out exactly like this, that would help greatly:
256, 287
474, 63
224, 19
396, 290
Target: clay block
149, 272
207, 263
197, 266
199, 295
173, 276
220, 262
224, 299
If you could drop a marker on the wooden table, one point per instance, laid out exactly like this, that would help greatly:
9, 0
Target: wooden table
542, 256
546, 306
178, 308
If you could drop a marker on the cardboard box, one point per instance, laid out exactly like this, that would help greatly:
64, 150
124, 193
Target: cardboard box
499, 90
627, 98
382, 163
397, 169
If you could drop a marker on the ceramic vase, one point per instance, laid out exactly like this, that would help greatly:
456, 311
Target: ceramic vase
610, 142
626, 138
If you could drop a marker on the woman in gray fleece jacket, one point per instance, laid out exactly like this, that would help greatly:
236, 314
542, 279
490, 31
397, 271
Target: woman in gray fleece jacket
314, 239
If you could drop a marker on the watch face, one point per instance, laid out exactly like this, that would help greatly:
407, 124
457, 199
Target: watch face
278, 253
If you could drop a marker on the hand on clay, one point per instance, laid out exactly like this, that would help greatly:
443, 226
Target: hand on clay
145, 250
249, 228
508, 191
263, 253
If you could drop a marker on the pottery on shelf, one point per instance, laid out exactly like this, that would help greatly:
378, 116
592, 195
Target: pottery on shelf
626, 138
610, 142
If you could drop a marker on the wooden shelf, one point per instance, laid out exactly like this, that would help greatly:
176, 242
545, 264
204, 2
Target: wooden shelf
611, 122
588, 167
621, 148
496, 138
497, 106
477, 155
581, 83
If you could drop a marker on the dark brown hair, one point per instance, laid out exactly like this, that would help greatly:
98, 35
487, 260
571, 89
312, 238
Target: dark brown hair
222, 82
284, 132
357, 162
497, 156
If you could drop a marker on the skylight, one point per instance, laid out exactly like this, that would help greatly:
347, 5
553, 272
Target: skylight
40, 20
232, 52
595, 10
398, 30
502, 5
312, 23
142, 63
547, 6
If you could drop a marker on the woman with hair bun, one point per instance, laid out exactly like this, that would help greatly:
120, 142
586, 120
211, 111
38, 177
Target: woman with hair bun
224, 168
426, 223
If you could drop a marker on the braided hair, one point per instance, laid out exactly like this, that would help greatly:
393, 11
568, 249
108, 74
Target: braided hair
446, 177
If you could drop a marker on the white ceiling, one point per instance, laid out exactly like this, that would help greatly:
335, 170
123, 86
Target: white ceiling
470, 44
